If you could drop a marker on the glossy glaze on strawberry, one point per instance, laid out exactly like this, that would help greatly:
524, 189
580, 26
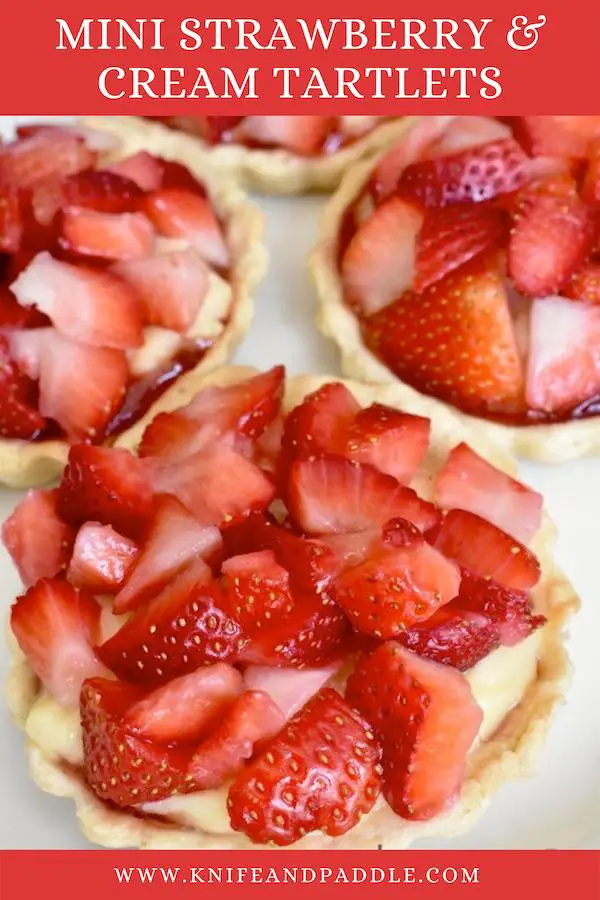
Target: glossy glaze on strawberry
472, 260
104, 269
206, 601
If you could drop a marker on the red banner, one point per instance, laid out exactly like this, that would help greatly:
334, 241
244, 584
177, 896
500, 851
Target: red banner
421, 874
424, 56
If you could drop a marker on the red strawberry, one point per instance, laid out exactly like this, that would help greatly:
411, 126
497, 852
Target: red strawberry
102, 559
396, 588
176, 175
509, 610
31, 159
86, 305
179, 213
466, 133
486, 551
87, 232
171, 287
585, 284
440, 340
258, 589
329, 494
185, 627
472, 176
320, 773
172, 540
467, 481
101, 190
391, 441
11, 226
426, 719
549, 240
220, 125
12, 315
253, 719
183, 709
557, 135
453, 637
100, 374
37, 539
590, 191
379, 263
303, 135
289, 688
564, 354
245, 408
106, 486
119, 766
56, 626
142, 168
451, 237
18, 416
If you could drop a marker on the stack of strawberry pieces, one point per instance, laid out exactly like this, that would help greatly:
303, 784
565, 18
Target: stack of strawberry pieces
464, 265
201, 599
91, 257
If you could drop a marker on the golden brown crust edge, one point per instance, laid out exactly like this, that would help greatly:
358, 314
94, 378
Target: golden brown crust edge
545, 443
509, 754
24, 464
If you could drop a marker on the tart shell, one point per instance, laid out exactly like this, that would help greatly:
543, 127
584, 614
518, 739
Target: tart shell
509, 753
25, 464
546, 443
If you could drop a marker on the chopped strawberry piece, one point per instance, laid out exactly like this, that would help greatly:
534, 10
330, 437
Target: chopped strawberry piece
509, 610
102, 559
396, 588
185, 627
183, 709
466, 133
86, 305
216, 484
557, 135
171, 541
289, 688
119, 766
550, 239
453, 637
391, 441
485, 550
253, 719
585, 284
426, 719
258, 589
101, 190
56, 626
142, 168
220, 125
11, 225
440, 342
171, 287
379, 263
303, 135
246, 408
451, 237
37, 539
564, 354
590, 191
182, 214
332, 494
176, 175
18, 417
87, 232
467, 481
12, 315
320, 773
29, 160
106, 486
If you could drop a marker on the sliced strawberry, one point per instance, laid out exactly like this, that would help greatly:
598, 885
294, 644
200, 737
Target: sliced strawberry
87, 232
320, 773
303, 135
11, 225
215, 485
119, 766
258, 589
245, 408
101, 375
472, 176
172, 540
142, 168
564, 354
330, 494
509, 610
557, 135
18, 416
102, 559
178, 213
453, 637
101, 190
584, 284
466, 133
86, 305
220, 125
31, 159
485, 550
185, 627
37, 539
184, 708
56, 626
590, 191
397, 588
439, 342
171, 287
549, 240
253, 719
467, 481
426, 719
289, 688
451, 237
391, 441
379, 263
176, 175
12, 315
106, 486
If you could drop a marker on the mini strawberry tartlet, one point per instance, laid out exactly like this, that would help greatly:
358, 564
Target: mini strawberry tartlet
299, 615
464, 262
273, 154
120, 268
